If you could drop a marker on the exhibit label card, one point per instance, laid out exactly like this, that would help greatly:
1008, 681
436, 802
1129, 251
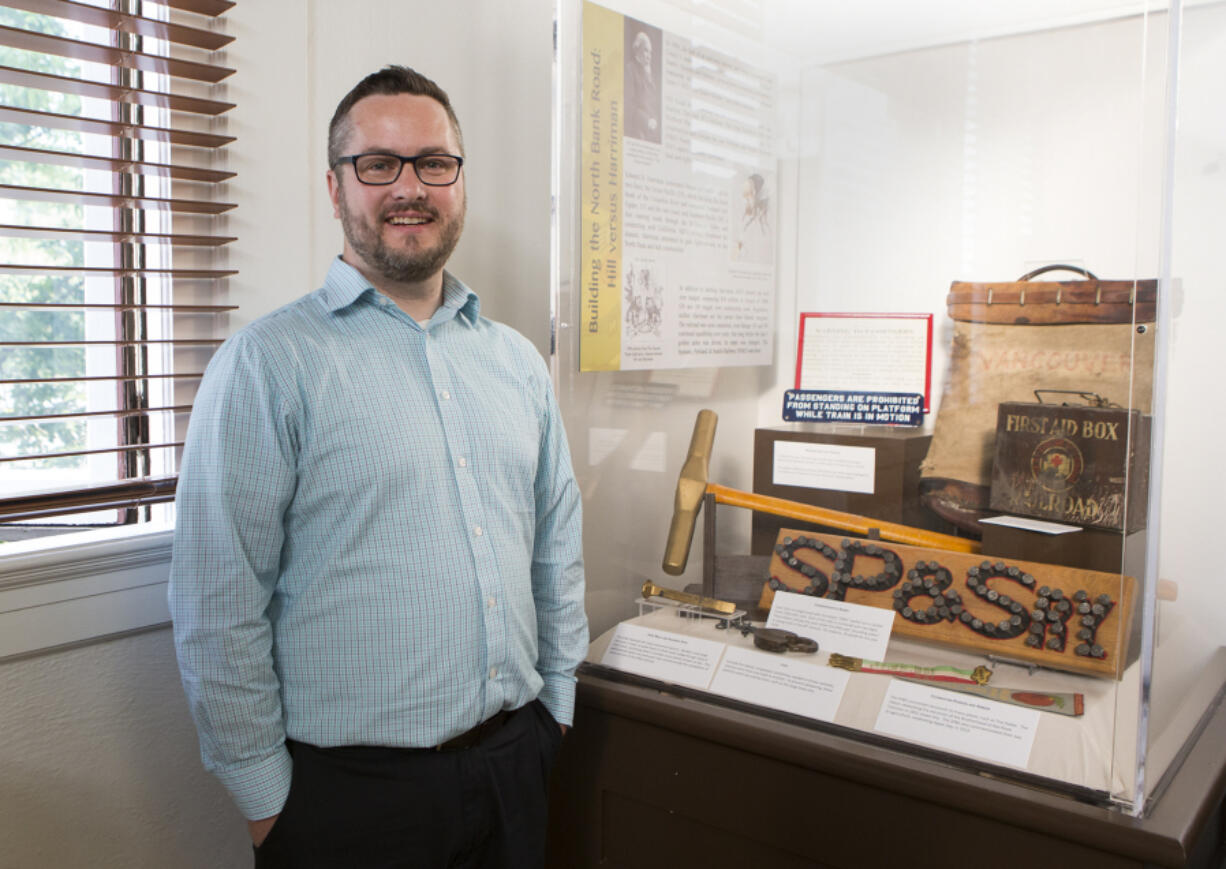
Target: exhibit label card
663, 655
1028, 524
958, 722
783, 682
838, 626
825, 466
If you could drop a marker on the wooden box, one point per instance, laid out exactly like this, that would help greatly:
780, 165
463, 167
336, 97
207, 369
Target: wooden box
1089, 548
1085, 466
896, 455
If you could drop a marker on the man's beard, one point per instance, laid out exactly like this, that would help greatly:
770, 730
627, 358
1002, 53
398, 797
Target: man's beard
402, 266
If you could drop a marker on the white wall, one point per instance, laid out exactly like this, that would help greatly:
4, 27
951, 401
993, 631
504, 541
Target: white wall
99, 764
1194, 473
492, 58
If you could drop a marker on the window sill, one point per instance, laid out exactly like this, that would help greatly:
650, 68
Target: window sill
69, 589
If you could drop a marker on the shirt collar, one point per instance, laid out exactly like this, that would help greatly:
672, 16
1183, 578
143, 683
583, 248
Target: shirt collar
345, 285
460, 298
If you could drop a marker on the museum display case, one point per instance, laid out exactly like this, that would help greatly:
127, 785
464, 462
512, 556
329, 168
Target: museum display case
889, 330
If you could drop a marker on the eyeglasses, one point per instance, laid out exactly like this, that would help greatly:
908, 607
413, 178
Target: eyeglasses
435, 170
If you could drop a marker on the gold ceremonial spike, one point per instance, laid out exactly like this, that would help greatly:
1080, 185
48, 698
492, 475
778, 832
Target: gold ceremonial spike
650, 589
979, 676
844, 662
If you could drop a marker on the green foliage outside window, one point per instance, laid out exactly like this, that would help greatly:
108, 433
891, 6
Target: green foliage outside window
31, 399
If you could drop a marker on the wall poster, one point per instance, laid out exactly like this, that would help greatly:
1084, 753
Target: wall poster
677, 202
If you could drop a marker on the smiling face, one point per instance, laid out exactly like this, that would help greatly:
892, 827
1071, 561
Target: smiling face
399, 235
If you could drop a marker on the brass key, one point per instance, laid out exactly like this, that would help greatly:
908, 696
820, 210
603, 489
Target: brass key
650, 589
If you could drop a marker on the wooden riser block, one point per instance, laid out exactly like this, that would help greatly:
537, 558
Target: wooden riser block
1111, 634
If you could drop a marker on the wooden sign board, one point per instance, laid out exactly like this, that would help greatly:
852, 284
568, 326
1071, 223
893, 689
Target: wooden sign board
1054, 616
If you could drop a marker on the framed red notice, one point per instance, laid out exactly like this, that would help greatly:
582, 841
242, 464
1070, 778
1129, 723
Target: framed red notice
865, 353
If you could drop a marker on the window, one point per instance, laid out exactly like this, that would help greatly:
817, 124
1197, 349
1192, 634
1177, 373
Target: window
111, 246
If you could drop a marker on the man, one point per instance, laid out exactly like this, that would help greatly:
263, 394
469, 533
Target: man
642, 92
377, 586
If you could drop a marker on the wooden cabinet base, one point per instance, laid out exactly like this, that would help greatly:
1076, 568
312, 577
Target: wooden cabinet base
647, 780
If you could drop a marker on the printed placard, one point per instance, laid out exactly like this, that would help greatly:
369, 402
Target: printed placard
663, 655
960, 723
847, 628
790, 683
824, 466
866, 408
1028, 524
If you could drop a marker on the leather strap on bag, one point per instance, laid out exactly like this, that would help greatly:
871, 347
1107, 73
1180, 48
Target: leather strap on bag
1029, 302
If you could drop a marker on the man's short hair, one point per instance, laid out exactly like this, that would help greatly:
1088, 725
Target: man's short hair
389, 81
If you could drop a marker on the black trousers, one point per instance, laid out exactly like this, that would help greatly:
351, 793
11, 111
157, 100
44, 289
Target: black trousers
392, 808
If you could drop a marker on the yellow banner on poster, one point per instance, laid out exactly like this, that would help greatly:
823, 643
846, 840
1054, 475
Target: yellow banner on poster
600, 201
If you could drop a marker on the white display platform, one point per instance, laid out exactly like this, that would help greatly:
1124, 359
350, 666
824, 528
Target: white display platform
1079, 751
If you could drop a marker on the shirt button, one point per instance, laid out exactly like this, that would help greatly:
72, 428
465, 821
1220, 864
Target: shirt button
493, 672
463, 463
478, 530
445, 395
491, 602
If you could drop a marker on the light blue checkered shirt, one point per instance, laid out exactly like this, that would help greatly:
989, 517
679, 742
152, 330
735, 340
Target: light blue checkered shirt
378, 534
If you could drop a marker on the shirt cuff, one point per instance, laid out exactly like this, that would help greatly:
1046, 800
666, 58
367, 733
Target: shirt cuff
558, 695
260, 789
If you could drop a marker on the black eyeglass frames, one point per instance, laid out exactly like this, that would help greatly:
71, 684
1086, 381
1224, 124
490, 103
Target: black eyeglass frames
435, 170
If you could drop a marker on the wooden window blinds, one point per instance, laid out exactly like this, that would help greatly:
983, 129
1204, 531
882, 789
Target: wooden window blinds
112, 219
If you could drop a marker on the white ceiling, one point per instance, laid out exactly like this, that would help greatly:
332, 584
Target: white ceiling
825, 31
